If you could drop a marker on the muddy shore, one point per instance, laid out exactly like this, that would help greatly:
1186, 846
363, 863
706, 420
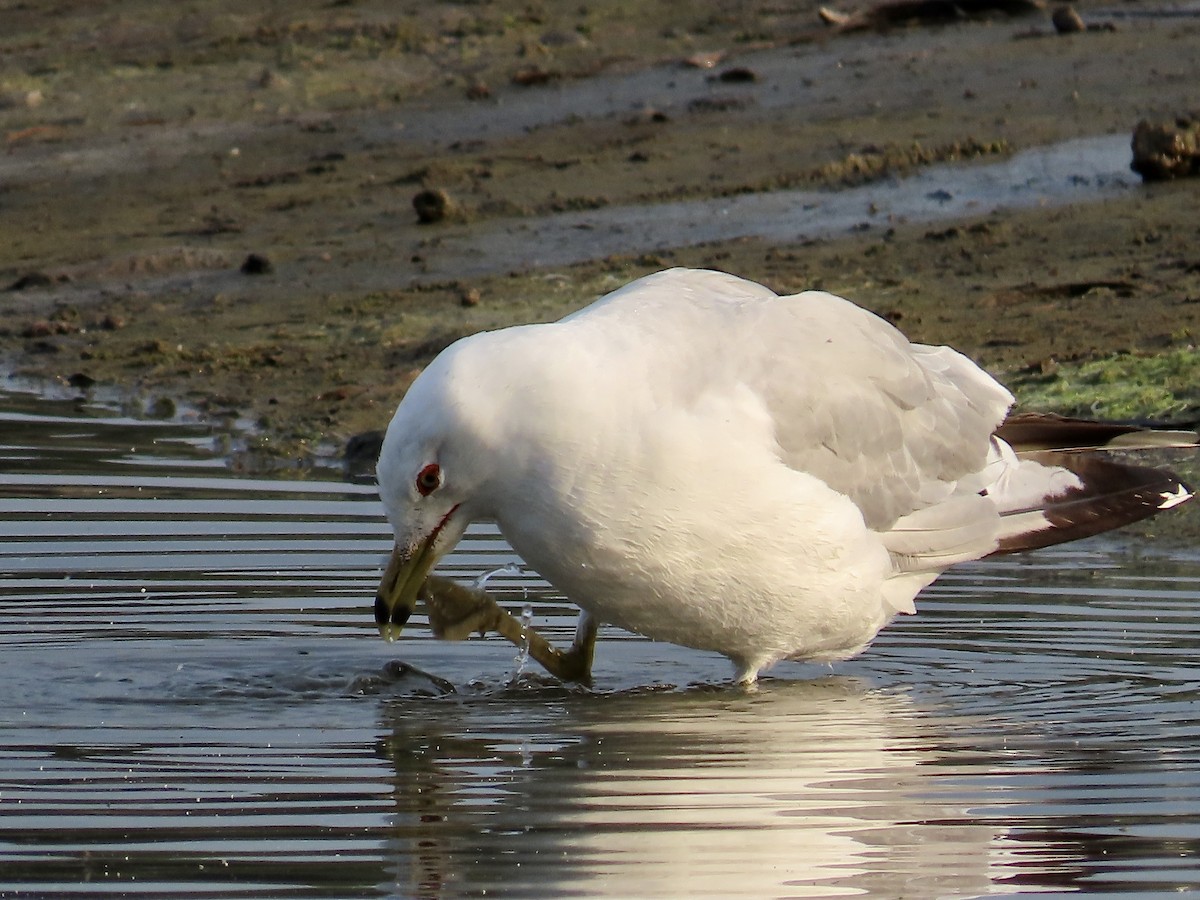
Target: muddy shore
218, 209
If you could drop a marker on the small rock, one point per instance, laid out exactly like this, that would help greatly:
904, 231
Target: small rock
1067, 21
400, 678
478, 90
162, 408
948, 234
470, 297
432, 205
531, 76
81, 380
361, 454
256, 264
269, 78
157, 347
37, 329
648, 114
1162, 151
738, 75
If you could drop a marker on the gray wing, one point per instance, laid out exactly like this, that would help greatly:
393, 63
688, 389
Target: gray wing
894, 425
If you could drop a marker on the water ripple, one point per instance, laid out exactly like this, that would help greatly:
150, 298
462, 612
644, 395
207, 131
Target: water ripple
197, 705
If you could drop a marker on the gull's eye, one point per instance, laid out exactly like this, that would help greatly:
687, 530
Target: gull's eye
429, 479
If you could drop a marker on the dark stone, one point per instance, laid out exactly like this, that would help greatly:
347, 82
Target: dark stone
361, 454
431, 205
738, 75
1166, 150
256, 264
31, 280
1067, 21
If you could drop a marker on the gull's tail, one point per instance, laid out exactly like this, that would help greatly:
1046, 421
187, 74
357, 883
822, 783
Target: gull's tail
1090, 484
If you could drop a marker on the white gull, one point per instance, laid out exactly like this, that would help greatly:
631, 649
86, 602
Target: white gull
699, 460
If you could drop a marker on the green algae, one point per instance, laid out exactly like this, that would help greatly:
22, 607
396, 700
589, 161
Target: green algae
1161, 387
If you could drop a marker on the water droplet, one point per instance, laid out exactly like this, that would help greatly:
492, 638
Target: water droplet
523, 651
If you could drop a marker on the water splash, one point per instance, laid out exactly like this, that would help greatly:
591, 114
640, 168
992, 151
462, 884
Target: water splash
522, 657
480, 583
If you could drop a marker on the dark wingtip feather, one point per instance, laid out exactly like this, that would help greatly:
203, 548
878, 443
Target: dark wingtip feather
1112, 492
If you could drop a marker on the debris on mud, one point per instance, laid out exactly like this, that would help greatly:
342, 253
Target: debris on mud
31, 280
705, 60
899, 13
531, 76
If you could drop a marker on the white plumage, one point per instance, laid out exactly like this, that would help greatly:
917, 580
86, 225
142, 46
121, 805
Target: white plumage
701, 461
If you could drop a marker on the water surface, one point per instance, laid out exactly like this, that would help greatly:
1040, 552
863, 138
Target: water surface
196, 704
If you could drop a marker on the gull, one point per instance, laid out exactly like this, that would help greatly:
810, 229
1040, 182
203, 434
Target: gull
699, 460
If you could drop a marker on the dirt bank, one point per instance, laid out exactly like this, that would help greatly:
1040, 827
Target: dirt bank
148, 157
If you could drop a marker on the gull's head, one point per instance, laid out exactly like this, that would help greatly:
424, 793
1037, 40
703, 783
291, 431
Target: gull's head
430, 472
439, 465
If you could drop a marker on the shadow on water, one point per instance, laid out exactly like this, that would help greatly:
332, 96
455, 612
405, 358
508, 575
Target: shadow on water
196, 704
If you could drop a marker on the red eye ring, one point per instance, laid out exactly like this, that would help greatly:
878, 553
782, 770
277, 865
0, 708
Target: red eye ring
429, 479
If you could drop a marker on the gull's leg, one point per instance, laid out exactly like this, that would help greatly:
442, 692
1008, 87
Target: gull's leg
456, 612
583, 650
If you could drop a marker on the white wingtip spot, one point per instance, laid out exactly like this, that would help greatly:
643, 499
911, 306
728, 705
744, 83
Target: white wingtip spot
1175, 497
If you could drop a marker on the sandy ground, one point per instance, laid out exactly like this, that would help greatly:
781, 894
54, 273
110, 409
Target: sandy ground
148, 156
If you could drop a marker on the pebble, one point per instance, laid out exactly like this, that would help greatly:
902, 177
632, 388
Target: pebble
432, 205
1067, 21
738, 75
256, 264
361, 454
1166, 150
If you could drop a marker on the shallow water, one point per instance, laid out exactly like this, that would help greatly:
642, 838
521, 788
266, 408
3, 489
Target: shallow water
196, 704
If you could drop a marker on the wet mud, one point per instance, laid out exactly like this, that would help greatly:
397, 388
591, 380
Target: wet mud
218, 210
